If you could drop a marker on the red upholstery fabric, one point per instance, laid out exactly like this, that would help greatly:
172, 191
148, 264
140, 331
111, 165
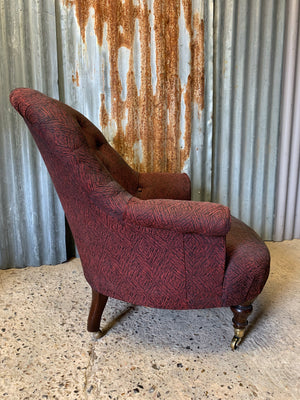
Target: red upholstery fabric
163, 186
179, 216
139, 236
247, 264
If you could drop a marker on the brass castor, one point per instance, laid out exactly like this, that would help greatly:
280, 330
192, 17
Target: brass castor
237, 338
241, 313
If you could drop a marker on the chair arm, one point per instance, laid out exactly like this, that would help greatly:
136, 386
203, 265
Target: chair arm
209, 219
158, 185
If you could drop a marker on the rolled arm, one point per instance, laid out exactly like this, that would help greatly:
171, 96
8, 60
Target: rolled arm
178, 215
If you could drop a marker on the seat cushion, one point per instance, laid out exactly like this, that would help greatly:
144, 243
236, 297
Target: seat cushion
247, 264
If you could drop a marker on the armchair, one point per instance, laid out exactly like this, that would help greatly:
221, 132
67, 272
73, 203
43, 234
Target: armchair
139, 236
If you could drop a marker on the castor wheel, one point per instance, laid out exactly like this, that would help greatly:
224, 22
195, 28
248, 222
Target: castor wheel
240, 322
237, 338
235, 342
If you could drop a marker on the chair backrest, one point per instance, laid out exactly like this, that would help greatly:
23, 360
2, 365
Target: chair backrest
62, 129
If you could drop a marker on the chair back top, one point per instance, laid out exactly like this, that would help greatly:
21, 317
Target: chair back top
75, 151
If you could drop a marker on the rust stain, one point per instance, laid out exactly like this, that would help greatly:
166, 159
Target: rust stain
75, 78
103, 116
153, 119
197, 72
195, 87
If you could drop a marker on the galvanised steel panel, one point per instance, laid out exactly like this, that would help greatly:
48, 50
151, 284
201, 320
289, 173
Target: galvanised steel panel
137, 69
248, 48
31, 219
287, 212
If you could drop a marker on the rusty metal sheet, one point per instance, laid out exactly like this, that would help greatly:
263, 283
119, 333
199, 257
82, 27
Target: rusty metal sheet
137, 69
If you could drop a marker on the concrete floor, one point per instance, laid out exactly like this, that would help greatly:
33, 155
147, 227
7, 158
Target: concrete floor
46, 352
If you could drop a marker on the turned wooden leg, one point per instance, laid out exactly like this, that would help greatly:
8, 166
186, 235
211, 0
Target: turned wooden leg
96, 311
240, 321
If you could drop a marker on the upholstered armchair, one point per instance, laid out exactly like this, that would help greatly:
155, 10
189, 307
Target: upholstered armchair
139, 236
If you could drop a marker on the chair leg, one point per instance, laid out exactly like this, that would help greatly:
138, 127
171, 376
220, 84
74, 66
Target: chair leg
98, 304
240, 321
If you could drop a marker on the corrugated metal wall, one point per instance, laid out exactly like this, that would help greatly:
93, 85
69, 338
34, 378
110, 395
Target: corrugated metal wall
249, 38
181, 85
31, 217
287, 211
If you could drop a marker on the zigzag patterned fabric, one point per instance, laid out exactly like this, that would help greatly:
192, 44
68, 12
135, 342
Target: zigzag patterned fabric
140, 237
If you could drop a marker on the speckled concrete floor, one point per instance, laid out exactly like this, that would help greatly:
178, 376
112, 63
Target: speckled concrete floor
46, 352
